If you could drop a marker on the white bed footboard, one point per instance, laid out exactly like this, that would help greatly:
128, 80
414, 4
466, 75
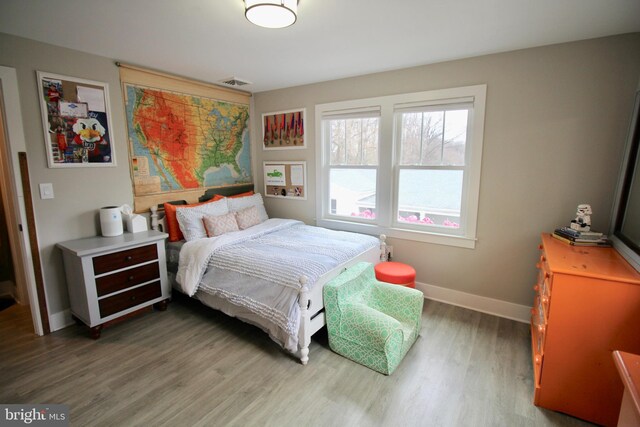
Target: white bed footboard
312, 316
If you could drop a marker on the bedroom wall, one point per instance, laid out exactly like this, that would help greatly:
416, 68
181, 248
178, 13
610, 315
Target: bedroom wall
78, 192
555, 125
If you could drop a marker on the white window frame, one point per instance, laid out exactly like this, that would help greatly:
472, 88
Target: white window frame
388, 168
348, 113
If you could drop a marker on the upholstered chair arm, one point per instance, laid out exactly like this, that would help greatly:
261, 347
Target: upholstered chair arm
400, 302
368, 327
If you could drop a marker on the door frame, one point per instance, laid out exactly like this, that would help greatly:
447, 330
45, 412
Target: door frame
14, 143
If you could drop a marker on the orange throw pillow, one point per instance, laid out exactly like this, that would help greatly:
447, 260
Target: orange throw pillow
173, 228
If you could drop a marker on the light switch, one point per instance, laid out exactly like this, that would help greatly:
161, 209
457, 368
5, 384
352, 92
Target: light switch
46, 191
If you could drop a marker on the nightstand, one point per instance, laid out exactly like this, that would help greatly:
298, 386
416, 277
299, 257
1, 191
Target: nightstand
111, 277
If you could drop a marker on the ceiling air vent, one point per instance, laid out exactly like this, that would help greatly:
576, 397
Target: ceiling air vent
234, 82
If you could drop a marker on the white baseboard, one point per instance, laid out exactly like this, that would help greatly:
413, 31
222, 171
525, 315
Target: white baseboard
496, 307
60, 320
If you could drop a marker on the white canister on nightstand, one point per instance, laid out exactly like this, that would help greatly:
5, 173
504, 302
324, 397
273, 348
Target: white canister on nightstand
111, 221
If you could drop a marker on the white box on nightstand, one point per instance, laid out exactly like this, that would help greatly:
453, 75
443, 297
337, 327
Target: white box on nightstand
135, 223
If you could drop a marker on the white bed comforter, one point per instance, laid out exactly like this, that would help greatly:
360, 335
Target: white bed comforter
257, 271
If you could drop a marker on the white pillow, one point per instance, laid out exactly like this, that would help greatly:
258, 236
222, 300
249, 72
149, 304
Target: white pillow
237, 204
190, 219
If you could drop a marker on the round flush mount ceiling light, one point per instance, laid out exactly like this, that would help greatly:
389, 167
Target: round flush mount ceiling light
271, 13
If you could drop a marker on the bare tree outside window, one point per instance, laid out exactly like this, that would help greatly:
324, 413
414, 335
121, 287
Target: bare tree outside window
434, 138
354, 141
353, 163
430, 143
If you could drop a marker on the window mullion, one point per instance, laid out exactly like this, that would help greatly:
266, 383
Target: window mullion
444, 123
421, 137
353, 166
434, 167
386, 179
344, 157
361, 144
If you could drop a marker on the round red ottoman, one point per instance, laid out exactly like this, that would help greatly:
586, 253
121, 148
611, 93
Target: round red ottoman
396, 273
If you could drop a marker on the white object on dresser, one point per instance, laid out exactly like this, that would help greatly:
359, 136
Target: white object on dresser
135, 223
110, 277
110, 221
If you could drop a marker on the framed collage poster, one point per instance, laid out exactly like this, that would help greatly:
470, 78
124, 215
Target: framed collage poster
283, 130
76, 121
285, 179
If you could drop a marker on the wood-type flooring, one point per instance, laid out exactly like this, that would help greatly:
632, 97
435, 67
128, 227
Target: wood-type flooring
194, 366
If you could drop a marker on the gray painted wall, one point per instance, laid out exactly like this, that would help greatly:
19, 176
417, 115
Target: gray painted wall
545, 106
555, 126
79, 193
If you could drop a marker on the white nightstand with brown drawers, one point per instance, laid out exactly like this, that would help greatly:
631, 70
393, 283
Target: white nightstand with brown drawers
111, 277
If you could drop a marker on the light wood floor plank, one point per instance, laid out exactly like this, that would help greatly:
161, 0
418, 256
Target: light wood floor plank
193, 366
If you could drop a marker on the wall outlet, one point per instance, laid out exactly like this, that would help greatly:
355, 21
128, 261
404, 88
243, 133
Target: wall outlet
389, 252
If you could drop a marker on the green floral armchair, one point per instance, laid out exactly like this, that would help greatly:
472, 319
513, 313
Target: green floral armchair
371, 322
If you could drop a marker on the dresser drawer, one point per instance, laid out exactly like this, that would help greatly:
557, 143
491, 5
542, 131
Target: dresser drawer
128, 299
538, 326
543, 286
122, 259
127, 278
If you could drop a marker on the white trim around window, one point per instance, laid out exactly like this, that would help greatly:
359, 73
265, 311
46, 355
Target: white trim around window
385, 204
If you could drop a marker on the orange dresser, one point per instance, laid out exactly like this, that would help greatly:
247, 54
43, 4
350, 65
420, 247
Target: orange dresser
587, 304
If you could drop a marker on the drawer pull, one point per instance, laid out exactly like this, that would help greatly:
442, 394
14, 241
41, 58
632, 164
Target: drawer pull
130, 298
130, 278
129, 258
540, 246
536, 287
538, 360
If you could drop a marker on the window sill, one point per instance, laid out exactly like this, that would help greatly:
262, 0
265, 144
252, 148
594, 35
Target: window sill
397, 233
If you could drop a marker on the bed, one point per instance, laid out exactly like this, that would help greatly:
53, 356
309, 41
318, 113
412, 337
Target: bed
270, 274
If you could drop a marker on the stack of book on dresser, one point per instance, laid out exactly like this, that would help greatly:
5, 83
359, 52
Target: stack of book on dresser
581, 238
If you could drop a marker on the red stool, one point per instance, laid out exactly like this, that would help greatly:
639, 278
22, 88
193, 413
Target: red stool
396, 273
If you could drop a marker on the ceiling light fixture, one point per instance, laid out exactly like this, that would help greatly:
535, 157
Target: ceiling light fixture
271, 13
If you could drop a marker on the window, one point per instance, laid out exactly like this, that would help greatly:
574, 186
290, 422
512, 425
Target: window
432, 142
405, 165
352, 141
